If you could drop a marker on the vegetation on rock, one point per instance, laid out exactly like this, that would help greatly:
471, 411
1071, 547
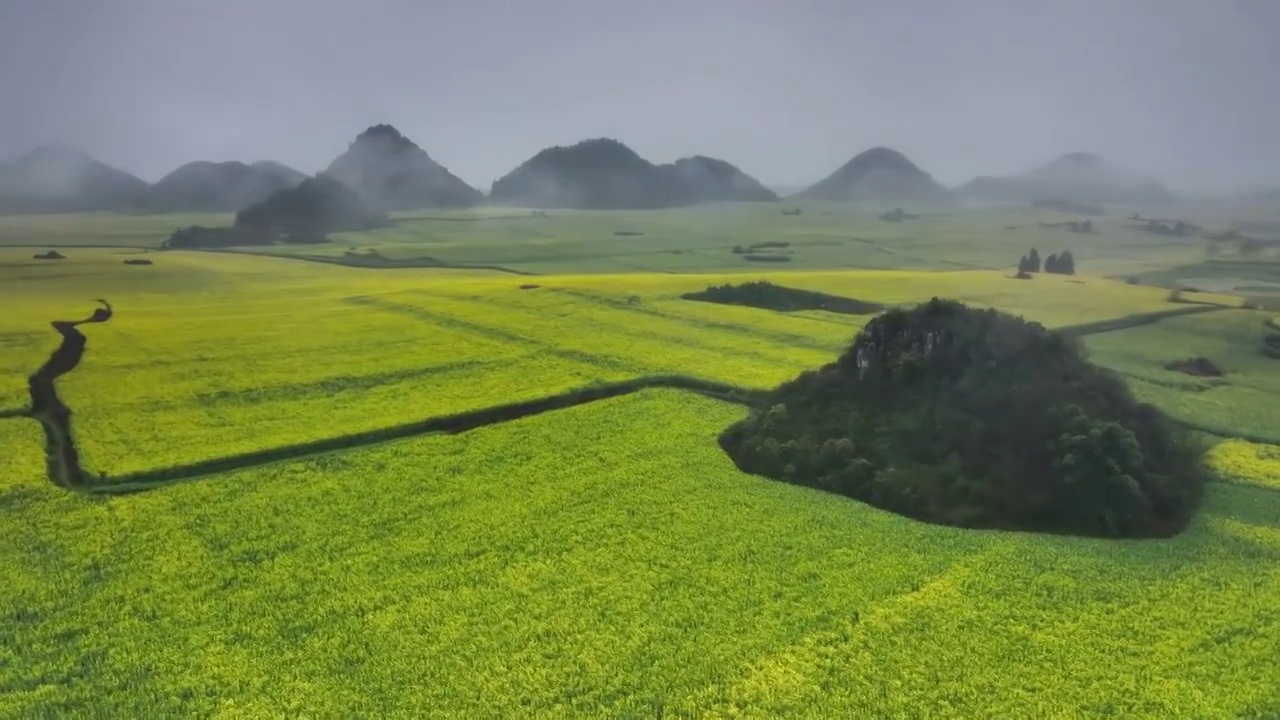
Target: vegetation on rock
976, 418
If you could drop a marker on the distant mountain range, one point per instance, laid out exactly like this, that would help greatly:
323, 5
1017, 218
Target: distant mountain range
1073, 178
604, 174
390, 172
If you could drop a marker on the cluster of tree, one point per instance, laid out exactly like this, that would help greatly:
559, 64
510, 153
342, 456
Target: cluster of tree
976, 418
1060, 264
764, 294
200, 237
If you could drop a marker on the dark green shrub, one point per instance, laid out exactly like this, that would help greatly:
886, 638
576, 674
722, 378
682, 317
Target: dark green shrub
976, 418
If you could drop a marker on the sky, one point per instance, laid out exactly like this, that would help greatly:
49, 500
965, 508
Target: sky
1185, 90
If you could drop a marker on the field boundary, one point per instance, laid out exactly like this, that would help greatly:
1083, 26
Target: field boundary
375, 263
447, 424
64, 469
1138, 320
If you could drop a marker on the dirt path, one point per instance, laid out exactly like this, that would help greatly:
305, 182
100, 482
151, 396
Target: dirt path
47, 408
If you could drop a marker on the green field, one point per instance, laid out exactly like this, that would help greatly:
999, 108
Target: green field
1241, 403
604, 560
699, 239
609, 561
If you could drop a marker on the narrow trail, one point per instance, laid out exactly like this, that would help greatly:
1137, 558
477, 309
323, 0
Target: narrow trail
63, 460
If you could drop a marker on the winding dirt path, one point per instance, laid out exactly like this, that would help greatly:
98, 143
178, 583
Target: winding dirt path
47, 408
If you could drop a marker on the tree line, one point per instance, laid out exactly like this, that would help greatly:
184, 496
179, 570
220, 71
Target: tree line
1060, 264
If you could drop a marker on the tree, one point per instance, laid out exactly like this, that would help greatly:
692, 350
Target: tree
1066, 263
1051, 264
1033, 261
1024, 265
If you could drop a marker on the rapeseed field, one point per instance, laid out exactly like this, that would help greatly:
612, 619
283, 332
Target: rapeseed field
212, 355
609, 561
606, 560
1241, 461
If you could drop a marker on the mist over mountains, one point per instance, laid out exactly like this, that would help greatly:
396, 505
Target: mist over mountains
220, 187
881, 174
1075, 177
389, 172
60, 179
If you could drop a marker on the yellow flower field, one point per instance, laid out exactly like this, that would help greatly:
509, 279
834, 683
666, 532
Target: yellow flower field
609, 561
219, 354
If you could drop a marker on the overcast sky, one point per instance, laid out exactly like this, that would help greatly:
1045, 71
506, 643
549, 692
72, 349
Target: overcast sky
787, 90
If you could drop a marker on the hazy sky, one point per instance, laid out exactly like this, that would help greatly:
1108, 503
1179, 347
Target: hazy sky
787, 90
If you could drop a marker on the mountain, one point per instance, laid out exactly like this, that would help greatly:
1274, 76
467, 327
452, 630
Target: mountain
1073, 178
711, 180
59, 179
315, 207
597, 174
392, 173
604, 174
880, 173
220, 187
